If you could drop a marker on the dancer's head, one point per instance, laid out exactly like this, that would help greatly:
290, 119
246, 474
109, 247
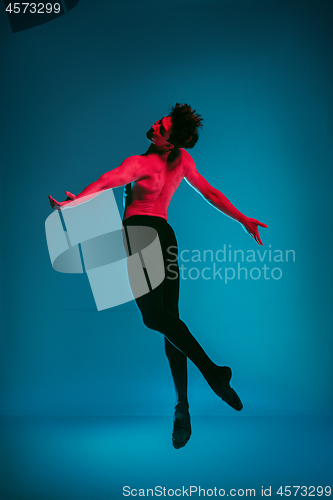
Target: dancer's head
185, 125
160, 132
177, 130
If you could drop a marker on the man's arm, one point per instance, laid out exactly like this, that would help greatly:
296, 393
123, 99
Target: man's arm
219, 201
211, 194
130, 170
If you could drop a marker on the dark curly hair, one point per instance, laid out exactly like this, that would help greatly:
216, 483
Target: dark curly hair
185, 124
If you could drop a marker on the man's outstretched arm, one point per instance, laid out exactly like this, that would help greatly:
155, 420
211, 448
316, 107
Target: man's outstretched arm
130, 170
221, 202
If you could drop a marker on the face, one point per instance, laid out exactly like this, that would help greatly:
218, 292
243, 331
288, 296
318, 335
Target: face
160, 133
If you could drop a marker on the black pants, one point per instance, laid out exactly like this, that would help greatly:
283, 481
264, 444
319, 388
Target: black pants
159, 309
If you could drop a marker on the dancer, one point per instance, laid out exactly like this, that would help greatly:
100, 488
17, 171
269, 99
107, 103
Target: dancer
151, 180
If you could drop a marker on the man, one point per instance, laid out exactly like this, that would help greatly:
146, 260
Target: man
151, 180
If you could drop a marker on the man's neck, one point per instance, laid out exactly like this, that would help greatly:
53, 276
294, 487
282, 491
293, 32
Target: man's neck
168, 155
158, 150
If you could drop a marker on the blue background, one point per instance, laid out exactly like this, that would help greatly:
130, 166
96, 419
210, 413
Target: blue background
78, 95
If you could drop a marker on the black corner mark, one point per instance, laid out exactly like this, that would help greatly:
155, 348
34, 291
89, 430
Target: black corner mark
70, 4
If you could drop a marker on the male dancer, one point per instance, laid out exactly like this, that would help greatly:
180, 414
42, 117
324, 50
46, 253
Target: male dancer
151, 180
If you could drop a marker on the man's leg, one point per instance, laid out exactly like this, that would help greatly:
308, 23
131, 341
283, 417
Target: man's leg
177, 360
181, 431
156, 317
178, 366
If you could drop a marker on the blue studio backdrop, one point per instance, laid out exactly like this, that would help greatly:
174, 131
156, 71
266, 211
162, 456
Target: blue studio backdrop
78, 95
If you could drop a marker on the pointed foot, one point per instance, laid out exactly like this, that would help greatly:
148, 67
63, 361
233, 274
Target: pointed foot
226, 393
181, 431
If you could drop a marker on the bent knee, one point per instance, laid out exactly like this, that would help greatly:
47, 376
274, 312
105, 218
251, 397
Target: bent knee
155, 320
150, 322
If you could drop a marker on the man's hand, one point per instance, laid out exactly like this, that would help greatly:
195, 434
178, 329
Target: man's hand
57, 205
251, 227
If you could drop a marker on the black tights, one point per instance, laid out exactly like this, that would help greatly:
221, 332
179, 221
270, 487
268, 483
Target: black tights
159, 309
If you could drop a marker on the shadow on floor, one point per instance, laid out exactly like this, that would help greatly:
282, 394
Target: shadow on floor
79, 458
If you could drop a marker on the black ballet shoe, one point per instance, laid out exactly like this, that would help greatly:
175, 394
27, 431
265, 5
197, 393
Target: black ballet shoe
229, 396
226, 393
181, 431
226, 373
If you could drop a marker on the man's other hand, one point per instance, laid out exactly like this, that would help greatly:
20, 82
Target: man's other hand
57, 205
251, 227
